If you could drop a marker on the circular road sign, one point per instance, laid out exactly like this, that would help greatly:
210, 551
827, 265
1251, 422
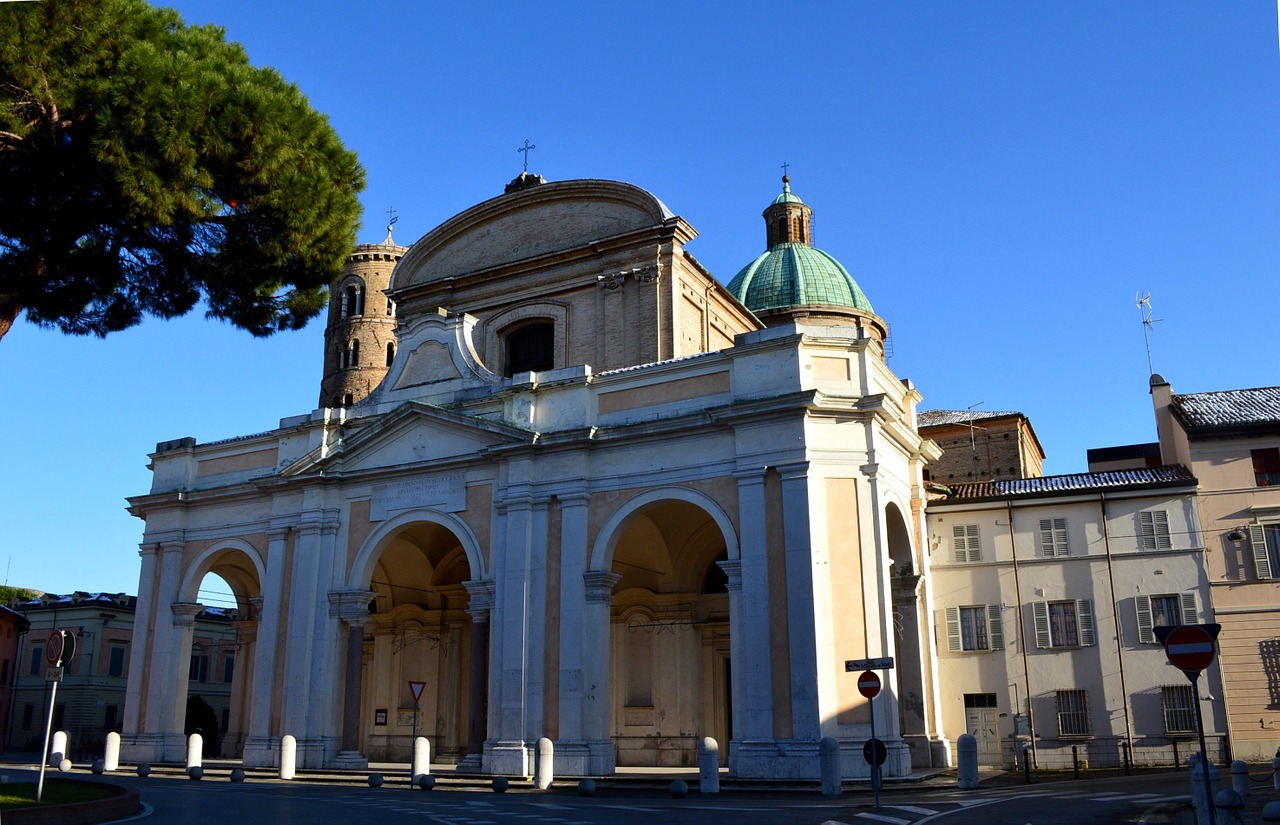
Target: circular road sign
1189, 648
869, 684
874, 751
53, 647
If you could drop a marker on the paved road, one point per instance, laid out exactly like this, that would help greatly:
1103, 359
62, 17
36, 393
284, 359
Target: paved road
174, 801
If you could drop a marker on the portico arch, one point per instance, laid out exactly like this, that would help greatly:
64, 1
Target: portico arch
905, 586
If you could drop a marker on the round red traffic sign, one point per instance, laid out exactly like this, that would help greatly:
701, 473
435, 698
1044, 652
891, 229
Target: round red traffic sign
1189, 648
53, 647
869, 684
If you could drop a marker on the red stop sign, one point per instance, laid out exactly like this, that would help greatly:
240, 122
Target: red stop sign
1189, 648
869, 684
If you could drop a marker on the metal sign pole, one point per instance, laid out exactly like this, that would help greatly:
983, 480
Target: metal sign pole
48, 731
1194, 676
875, 766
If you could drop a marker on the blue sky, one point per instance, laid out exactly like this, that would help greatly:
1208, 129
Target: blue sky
1001, 179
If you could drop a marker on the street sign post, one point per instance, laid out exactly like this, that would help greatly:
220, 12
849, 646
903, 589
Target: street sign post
883, 663
416, 689
58, 651
1191, 648
869, 686
874, 752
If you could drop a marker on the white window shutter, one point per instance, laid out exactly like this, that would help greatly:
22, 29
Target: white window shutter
953, 629
1145, 623
1190, 608
1046, 537
995, 627
1084, 621
1146, 530
1163, 541
1261, 560
1040, 612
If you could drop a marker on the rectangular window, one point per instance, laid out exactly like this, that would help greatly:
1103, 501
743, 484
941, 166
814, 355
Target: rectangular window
1053, 537
1266, 467
964, 543
1153, 530
1179, 708
974, 627
1073, 713
980, 700
28, 716
115, 664
1265, 542
1063, 623
228, 668
199, 668
37, 660
59, 715
1165, 610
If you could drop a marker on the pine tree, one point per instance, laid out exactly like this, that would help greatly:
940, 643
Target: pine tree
145, 166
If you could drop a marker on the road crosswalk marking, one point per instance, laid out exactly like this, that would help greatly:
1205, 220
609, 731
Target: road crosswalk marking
892, 820
915, 809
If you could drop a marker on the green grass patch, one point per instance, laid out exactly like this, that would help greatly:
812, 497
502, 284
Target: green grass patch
23, 794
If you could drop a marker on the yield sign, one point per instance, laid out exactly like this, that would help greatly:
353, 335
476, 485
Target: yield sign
416, 689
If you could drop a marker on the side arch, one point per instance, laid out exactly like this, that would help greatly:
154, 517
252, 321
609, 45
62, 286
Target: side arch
361, 572
208, 559
607, 540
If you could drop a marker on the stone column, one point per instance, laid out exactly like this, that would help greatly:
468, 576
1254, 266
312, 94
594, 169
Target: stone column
242, 678
352, 607
166, 673
597, 699
481, 603
809, 721
572, 754
507, 753
174, 720
751, 628
261, 748
141, 646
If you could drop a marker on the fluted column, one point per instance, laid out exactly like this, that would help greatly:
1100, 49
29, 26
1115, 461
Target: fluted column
352, 607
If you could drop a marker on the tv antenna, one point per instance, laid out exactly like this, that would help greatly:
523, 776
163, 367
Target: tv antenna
1148, 324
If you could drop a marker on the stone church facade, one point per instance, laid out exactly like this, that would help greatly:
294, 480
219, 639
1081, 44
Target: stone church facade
579, 488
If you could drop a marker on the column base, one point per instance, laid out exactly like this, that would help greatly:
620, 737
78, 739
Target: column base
261, 752
796, 759
349, 761
593, 757
471, 763
153, 748
507, 757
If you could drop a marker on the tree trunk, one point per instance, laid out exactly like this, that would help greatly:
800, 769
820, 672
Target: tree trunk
9, 310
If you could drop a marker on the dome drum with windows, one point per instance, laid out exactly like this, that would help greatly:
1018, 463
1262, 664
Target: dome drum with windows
793, 280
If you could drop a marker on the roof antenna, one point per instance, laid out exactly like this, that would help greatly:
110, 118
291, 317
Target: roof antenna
1148, 325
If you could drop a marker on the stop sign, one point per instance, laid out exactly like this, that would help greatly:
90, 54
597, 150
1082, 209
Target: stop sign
1189, 648
869, 684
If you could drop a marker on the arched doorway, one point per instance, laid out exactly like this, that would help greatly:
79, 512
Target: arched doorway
907, 621
670, 635
418, 631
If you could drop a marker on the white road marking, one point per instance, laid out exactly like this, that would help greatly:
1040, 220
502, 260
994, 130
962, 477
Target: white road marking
892, 820
915, 809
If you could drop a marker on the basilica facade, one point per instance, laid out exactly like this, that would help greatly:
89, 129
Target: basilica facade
581, 490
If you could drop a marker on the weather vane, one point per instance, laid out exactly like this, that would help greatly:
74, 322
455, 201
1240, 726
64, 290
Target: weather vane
526, 148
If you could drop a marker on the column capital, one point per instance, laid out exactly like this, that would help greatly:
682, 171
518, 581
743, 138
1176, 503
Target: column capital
278, 532
148, 548
749, 476
481, 592
352, 606
575, 499
600, 585
184, 613
733, 569
794, 470
255, 606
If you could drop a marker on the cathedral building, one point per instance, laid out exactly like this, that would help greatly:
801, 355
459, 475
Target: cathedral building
580, 489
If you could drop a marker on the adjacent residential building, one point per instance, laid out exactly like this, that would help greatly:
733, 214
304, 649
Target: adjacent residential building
1046, 592
13, 626
90, 698
981, 445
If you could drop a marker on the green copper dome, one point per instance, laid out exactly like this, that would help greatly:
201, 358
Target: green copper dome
796, 274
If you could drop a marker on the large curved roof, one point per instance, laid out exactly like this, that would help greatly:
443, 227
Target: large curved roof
796, 274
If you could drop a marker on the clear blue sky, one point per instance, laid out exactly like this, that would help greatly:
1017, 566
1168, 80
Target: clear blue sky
1001, 179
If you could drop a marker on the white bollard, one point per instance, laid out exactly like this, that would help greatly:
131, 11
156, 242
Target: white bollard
58, 748
708, 765
829, 762
1202, 796
1228, 804
288, 757
195, 751
111, 758
967, 761
421, 758
1240, 777
544, 769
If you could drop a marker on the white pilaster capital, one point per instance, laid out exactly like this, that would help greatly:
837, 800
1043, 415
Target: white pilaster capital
575, 499
733, 570
148, 549
795, 471
184, 613
481, 592
600, 585
352, 606
255, 606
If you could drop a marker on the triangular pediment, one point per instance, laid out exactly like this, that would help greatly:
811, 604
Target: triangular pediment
415, 434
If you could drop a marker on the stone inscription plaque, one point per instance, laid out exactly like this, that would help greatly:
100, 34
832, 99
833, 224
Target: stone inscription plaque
446, 492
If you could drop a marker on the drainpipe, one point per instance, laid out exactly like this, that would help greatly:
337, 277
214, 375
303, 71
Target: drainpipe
1115, 611
1022, 638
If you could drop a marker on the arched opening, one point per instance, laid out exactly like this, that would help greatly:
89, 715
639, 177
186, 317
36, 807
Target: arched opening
391, 352
907, 621
530, 347
670, 636
418, 631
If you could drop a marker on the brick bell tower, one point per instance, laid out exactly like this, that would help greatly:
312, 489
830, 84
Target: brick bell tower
360, 337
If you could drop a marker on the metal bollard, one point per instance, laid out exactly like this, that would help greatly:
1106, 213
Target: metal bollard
195, 751
1075, 761
288, 757
545, 766
1128, 764
1240, 777
1228, 805
829, 760
1275, 770
1177, 760
967, 762
1026, 763
708, 766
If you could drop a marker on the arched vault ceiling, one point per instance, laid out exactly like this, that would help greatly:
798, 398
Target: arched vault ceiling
666, 547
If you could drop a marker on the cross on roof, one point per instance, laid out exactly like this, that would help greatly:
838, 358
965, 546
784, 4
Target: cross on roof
785, 167
526, 149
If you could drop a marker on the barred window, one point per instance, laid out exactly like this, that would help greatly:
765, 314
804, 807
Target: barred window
1073, 713
1179, 708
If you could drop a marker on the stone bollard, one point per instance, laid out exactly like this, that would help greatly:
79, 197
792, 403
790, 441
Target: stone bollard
195, 772
544, 769
144, 769
426, 782
288, 757
1228, 805
97, 767
708, 766
421, 758
111, 757
500, 784
829, 761
58, 748
195, 751
1240, 777
64, 765
967, 762
1202, 795
586, 787
678, 789
237, 775
375, 780
1271, 813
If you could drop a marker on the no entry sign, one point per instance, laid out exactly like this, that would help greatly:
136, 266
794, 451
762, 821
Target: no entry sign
869, 684
1189, 648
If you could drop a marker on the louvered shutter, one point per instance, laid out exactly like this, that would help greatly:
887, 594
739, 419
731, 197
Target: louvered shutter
1053, 537
1084, 621
995, 627
1161, 524
1145, 634
1146, 530
1154, 530
1040, 612
1190, 608
1261, 559
953, 629
964, 542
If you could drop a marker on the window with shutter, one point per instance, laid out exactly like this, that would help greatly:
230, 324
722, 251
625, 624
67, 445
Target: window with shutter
1053, 537
1142, 604
1063, 623
995, 626
965, 544
1265, 543
974, 628
1153, 530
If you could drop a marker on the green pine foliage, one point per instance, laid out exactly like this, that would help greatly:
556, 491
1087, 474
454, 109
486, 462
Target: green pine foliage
145, 166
